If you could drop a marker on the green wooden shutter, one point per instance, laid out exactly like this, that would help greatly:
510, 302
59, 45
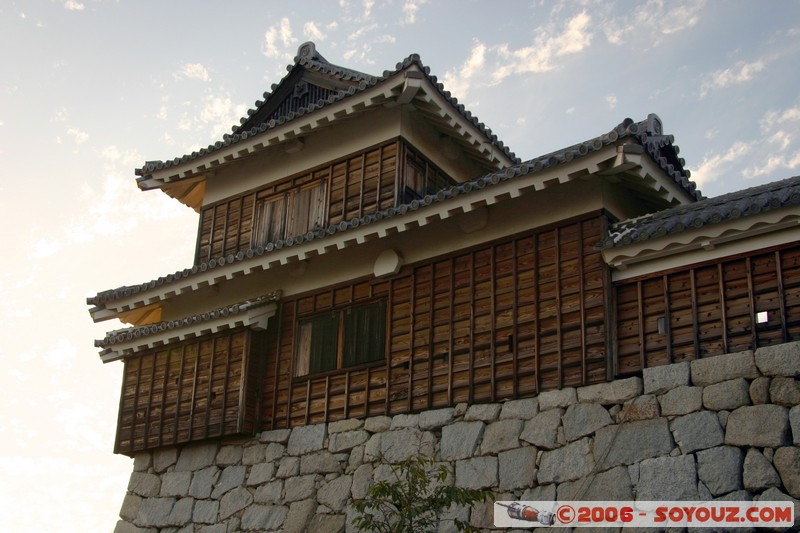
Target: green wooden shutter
364, 334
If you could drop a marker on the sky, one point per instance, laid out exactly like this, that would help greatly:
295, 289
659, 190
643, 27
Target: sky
91, 89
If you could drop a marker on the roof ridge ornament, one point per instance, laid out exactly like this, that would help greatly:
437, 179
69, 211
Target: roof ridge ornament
308, 51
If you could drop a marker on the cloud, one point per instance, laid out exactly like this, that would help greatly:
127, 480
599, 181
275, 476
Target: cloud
611, 100
368, 5
72, 5
77, 135
312, 32
549, 44
458, 81
773, 118
410, 9
61, 115
779, 149
738, 74
712, 167
281, 33
193, 71
652, 20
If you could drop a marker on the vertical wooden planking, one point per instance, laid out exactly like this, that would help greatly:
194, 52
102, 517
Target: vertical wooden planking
752, 301
180, 393
389, 332
493, 319
450, 318
346, 394
289, 387
327, 399
723, 307
582, 304
308, 402
514, 319
210, 380
667, 318
472, 328
695, 318
781, 295
163, 399
431, 320
557, 267
536, 339
412, 304
194, 393
279, 318
136, 401
149, 405
640, 315
361, 188
225, 380
366, 393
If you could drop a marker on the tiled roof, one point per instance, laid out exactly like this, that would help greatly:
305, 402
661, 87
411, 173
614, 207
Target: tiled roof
647, 133
707, 212
315, 62
129, 334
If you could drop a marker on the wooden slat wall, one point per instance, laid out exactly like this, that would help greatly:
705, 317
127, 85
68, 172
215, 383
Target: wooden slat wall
361, 183
501, 321
708, 309
184, 392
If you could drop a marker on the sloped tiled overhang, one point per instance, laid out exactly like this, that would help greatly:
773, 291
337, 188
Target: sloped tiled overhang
350, 94
757, 217
634, 152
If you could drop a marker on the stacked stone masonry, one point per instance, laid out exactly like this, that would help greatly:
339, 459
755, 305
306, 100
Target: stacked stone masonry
725, 427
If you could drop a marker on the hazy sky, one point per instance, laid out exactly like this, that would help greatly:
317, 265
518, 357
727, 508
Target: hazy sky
91, 89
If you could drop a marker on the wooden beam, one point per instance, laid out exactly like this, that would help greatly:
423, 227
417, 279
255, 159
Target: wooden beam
781, 295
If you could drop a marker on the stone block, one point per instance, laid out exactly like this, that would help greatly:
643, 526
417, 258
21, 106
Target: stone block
557, 398
270, 492
348, 424
203, 482
154, 512
280, 436
405, 421
617, 391
435, 418
784, 391
629, 443
681, 400
146, 485
501, 435
126, 527
263, 517
787, 462
273, 451
327, 523
175, 483
231, 477
476, 473
130, 507
398, 445
196, 457
794, 421
611, 485
260, 474
300, 488
779, 360
255, 454
542, 430
319, 463
710, 370
334, 493
667, 478
460, 440
347, 440
142, 462
720, 469
288, 467
181, 513
377, 424
205, 511
759, 426
697, 431
216, 528
229, 455
759, 390
758, 473
775, 495
306, 439
234, 501
583, 419
727, 395
642, 407
573, 461
299, 516
524, 409
164, 458
517, 468
542, 493
660, 379
484, 412
362, 479
372, 448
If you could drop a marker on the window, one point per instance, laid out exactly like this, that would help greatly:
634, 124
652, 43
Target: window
341, 339
290, 214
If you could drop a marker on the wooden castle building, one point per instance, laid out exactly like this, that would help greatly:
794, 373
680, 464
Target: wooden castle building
367, 247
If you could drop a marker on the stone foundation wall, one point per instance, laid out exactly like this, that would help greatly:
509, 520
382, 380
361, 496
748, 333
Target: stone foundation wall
724, 427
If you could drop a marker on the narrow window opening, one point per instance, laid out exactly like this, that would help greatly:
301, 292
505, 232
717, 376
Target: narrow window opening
762, 317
